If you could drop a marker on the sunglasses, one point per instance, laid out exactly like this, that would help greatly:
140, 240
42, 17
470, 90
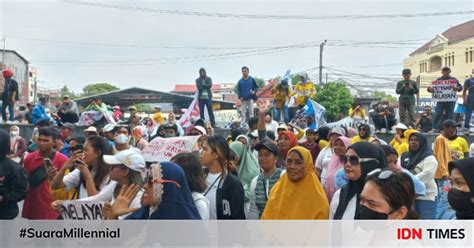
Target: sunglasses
354, 160
362, 129
150, 180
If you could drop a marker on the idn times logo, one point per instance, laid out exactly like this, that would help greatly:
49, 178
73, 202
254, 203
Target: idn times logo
430, 233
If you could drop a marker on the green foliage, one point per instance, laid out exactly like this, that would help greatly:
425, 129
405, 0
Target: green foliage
65, 91
381, 95
295, 79
335, 97
260, 82
145, 108
98, 88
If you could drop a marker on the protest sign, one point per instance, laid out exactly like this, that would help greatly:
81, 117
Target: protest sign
163, 149
443, 90
82, 210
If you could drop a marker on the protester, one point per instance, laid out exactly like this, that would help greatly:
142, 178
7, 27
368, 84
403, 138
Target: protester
442, 153
281, 94
468, 101
61, 146
38, 200
90, 131
325, 156
399, 138
204, 87
387, 195
286, 141
171, 130
151, 127
135, 121
117, 113
13, 181
172, 121
298, 194
364, 134
68, 111
357, 112
458, 145
139, 141
311, 144
421, 163
383, 116
270, 124
461, 196
444, 109
65, 132
224, 191
247, 168
197, 183
246, 90
341, 144
109, 135
90, 175
97, 111
39, 112
197, 130
167, 196
10, 95
304, 90
209, 129
424, 123
407, 89
122, 138
17, 145
262, 184
360, 159
323, 137
28, 113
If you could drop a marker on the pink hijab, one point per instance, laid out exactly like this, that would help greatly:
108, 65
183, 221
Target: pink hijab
334, 165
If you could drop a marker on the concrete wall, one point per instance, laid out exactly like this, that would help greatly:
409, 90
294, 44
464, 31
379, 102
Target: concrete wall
27, 130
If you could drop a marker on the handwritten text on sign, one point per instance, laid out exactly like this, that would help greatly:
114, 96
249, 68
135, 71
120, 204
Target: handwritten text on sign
443, 90
82, 210
163, 149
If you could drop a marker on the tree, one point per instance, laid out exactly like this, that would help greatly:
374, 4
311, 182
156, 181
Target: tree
260, 82
295, 79
145, 108
381, 95
65, 91
98, 88
335, 97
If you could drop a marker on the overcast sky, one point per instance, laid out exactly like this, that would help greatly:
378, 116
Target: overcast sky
25, 23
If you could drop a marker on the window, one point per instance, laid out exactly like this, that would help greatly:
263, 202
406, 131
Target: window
452, 59
467, 57
435, 63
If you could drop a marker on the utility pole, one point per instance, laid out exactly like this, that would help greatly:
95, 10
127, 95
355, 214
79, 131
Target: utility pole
3, 52
321, 48
36, 91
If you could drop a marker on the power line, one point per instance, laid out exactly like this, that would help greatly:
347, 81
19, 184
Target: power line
272, 17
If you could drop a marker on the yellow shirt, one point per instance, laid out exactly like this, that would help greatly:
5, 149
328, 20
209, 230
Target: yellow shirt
323, 144
443, 156
280, 95
304, 90
357, 138
360, 113
459, 145
158, 118
400, 147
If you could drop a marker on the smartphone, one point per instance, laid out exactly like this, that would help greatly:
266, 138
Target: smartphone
48, 163
78, 149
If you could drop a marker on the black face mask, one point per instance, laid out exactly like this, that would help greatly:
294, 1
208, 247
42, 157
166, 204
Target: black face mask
460, 201
369, 214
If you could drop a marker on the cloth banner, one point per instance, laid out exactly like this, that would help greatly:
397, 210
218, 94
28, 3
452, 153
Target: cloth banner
316, 110
82, 210
192, 113
163, 149
443, 90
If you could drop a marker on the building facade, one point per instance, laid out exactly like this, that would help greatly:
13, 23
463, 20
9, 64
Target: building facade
32, 80
19, 65
453, 48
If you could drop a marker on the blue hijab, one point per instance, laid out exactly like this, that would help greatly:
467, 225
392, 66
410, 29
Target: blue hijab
176, 202
411, 158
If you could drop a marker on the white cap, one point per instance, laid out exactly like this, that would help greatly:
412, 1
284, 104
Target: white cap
131, 158
254, 134
91, 129
200, 129
400, 126
109, 127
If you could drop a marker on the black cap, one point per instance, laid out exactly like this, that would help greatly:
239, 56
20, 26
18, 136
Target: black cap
284, 83
271, 146
406, 71
68, 125
171, 126
448, 123
446, 69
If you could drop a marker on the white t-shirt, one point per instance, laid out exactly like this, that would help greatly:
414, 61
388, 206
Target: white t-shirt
350, 209
322, 162
273, 126
202, 205
212, 182
72, 180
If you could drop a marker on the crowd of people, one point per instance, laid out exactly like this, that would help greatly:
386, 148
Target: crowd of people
268, 168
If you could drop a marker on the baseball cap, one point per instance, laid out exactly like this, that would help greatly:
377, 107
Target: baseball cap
271, 146
337, 130
254, 134
400, 126
91, 129
109, 127
202, 130
284, 83
68, 125
282, 126
130, 158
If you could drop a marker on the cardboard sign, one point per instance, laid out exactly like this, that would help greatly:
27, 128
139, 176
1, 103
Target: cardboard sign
443, 90
82, 210
163, 149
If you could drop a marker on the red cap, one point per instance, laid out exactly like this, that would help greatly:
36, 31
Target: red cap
7, 73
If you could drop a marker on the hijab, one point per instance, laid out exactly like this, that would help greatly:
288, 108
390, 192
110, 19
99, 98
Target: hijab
13, 139
173, 202
465, 168
305, 77
248, 166
334, 165
293, 142
354, 188
411, 158
301, 200
368, 132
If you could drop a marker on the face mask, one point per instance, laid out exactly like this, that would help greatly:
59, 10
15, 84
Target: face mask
169, 135
13, 133
121, 139
369, 214
460, 201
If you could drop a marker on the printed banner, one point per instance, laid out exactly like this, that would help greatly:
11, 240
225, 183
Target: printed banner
443, 90
163, 149
192, 113
82, 210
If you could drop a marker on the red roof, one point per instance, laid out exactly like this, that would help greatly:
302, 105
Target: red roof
192, 87
266, 91
457, 33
